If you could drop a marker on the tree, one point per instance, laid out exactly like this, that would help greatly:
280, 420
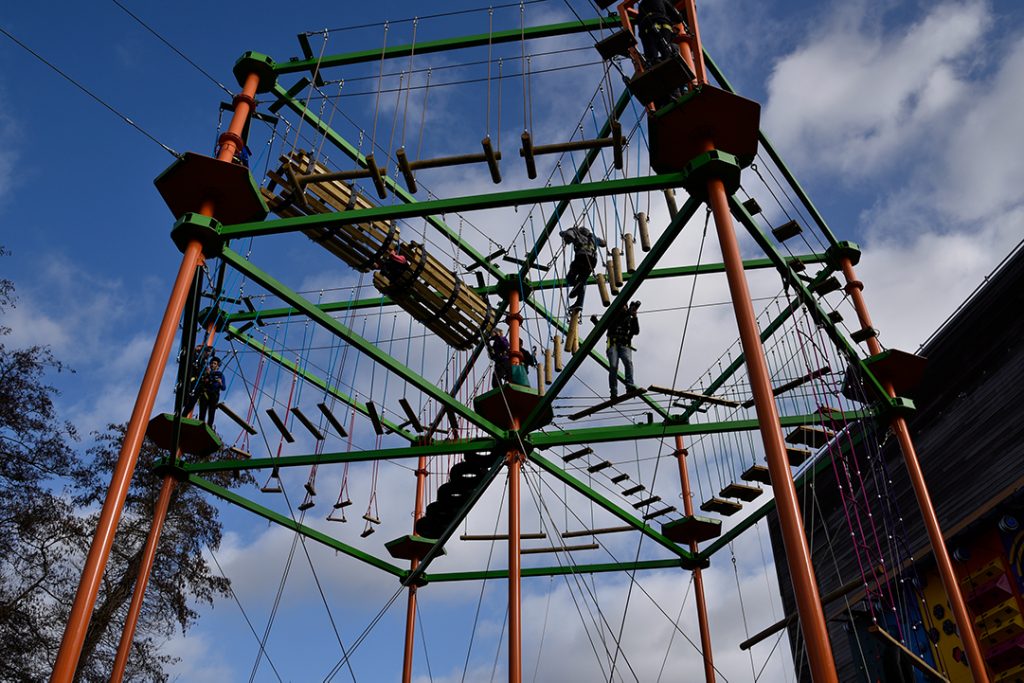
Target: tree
181, 575
35, 456
49, 501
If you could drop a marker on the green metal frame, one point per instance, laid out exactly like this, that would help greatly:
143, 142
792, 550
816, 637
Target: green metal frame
431, 210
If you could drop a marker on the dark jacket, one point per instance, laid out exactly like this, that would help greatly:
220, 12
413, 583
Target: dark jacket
659, 11
624, 327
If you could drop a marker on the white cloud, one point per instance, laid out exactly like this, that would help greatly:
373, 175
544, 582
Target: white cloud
854, 97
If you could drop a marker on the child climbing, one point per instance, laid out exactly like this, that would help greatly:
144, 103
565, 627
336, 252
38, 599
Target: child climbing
584, 244
210, 386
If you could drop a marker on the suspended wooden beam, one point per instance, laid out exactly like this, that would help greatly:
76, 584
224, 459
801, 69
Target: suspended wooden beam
333, 420
918, 663
645, 235
237, 419
694, 396
502, 537
619, 478
595, 532
521, 262
529, 151
632, 393
559, 549
599, 466
308, 424
273, 483
659, 513
634, 490
558, 353
279, 423
627, 245
371, 412
238, 452
602, 290
646, 502
577, 454
793, 384
413, 420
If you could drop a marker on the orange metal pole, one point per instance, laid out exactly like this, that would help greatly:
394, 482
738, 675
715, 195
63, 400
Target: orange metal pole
698, 577
697, 53
148, 556
798, 557
410, 612
515, 461
99, 552
924, 501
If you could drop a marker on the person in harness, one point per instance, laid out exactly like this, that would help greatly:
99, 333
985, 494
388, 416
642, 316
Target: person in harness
584, 244
621, 330
659, 32
500, 352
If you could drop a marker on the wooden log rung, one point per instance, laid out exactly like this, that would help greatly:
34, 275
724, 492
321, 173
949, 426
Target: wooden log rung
237, 419
411, 414
279, 423
596, 532
559, 549
695, 396
308, 424
371, 412
577, 454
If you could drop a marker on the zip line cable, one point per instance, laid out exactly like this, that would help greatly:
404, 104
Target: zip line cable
88, 92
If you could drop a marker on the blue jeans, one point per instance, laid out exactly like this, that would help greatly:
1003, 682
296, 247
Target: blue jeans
616, 353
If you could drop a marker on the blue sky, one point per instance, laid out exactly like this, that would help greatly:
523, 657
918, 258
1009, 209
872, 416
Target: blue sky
898, 117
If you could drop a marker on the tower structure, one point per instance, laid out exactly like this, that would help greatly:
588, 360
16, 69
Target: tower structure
696, 137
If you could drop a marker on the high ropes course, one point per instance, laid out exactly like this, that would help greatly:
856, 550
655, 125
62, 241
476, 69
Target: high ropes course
406, 260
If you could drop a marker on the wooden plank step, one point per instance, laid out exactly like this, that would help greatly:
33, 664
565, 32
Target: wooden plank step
808, 435
742, 492
721, 506
758, 473
633, 393
798, 456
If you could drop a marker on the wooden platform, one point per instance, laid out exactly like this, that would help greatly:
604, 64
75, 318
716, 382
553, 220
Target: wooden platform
632, 393
692, 529
496, 404
410, 547
758, 473
797, 456
903, 370
808, 435
195, 437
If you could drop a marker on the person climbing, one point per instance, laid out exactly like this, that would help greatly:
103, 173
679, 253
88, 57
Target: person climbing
658, 24
190, 382
584, 260
500, 352
210, 386
394, 264
621, 330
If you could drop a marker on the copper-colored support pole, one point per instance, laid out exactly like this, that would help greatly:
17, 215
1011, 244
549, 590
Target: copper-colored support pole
798, 557
924, 501
410, 612
99, 552
696, 60
515, 460
148, 555
698, 577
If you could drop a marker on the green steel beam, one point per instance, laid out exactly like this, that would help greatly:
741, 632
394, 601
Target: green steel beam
289, 523
774, 156
433, 449
676, 563
447, 44
306, 307
313, 379
571, 437
804, 294
490, 200
608, 505
629, 288
535, 285
353, 153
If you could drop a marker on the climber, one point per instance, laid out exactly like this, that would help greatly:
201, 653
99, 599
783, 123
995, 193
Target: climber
585, 244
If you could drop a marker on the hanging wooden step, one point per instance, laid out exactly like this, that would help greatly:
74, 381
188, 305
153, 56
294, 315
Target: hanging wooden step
661, 512
694, 396
902, 370
692, 529
809, 435
758, 473
632, 393
616, 45
595, 532
721, 506
577, 454
659, 81
787, 230
333, 420
742, 492
559, 549
236, 418
599, 466
307, 423
433, 295
408, 168
798, 456
194, 437
530, 151
362, 245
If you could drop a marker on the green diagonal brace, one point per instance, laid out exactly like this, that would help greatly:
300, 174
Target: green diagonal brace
428, 450
804, 294
308, 308
313, 379
572, 437
628, 289
289, 523
608, 505
427, 47
490, 200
